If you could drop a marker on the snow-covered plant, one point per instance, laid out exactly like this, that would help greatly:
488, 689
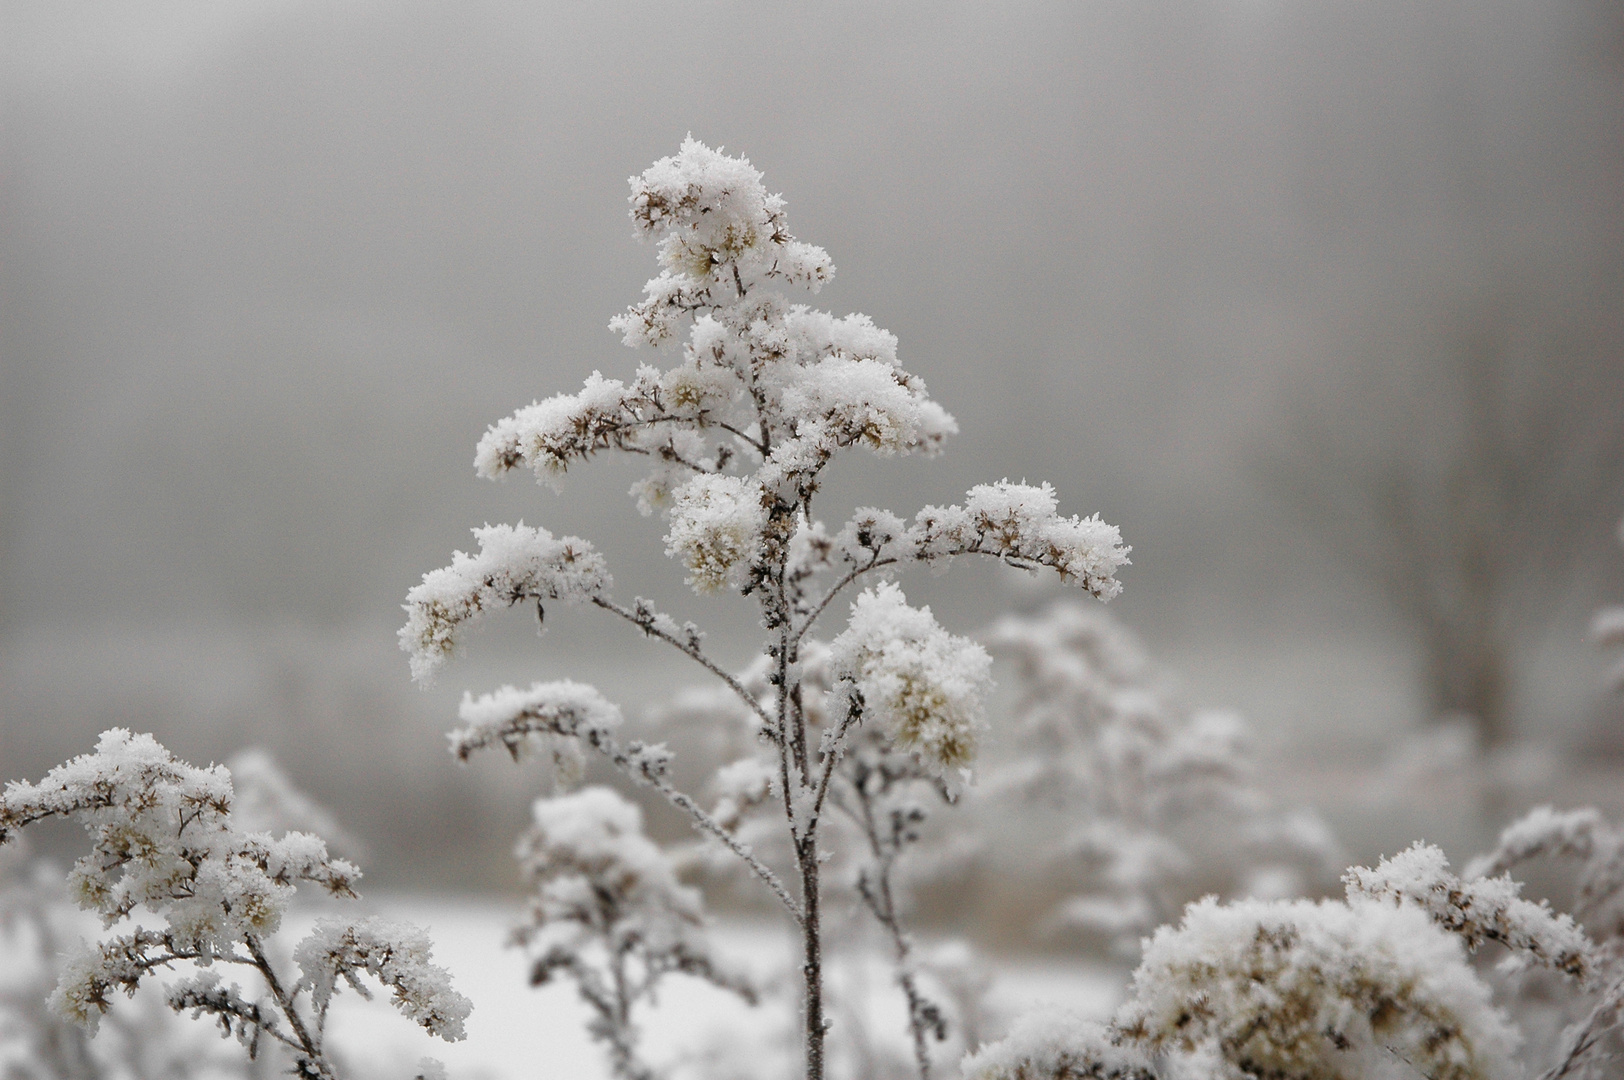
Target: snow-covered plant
1303, 990
143, 1042
1377, 985
761, 398
1154, 801
608, 912
1594, 1017
164, 841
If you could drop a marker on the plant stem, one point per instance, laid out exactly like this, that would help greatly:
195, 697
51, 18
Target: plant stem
806, 853
284, 1001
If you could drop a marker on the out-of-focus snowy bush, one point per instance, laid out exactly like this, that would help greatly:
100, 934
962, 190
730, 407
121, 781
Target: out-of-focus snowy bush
165, 843
1142, 802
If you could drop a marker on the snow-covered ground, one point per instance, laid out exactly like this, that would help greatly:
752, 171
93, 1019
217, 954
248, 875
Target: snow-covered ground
516, 1031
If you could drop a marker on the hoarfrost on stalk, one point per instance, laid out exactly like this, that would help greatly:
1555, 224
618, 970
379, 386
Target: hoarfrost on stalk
1016, 523
1480, 909
395, 954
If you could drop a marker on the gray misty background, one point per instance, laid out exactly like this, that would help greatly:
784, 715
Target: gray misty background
269, 267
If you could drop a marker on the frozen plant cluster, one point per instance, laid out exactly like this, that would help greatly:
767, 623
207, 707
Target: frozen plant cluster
164, 842
1304, 989
1151, 802
760, 398
607, 911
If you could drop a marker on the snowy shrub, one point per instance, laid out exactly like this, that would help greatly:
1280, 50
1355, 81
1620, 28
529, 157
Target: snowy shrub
1150, 797
1377, 985
164, 841
738, 430
1299, 990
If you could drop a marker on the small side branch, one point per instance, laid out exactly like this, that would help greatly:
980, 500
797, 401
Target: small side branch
313, 1063
834, 590
648, 621
1584, 1037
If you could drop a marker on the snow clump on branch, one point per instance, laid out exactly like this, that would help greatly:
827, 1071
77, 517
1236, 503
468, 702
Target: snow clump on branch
1479, 910
524, 721
515, 563
397, 956
1054, 1045
716, 526
1017, 523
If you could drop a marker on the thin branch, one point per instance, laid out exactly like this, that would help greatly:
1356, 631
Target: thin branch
284, 1000
623, 758
849, 577
687, 649
832, 755
1587, 1035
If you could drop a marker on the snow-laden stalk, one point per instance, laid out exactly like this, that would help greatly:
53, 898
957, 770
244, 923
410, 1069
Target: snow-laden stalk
765, 394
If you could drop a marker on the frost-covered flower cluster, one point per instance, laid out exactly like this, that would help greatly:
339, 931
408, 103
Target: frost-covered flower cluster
394, 954
1054, 1045
763, 394
607, 911
164, 841
1149, 797
924, 685
1299, 990
716, 530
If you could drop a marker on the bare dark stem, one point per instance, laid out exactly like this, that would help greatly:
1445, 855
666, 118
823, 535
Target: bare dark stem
834, 590
309, 1047
924, 1018
812, 966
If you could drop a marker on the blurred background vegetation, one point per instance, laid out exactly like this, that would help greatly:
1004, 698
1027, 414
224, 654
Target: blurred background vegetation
1323, 304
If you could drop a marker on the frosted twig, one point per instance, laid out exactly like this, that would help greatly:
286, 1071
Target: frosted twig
650, 623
